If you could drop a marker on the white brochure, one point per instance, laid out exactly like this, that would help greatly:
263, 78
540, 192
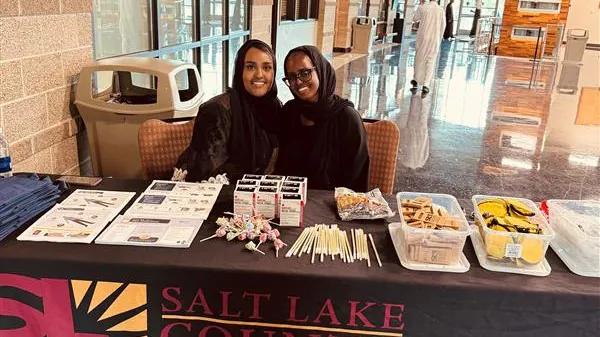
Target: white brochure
98, 199
156, 231
206, 190
180, 206
69, 224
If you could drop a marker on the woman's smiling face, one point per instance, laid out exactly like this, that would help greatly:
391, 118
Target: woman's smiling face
258, 72
302, 77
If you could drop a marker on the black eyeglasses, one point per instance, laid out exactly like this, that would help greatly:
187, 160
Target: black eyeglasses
305, 75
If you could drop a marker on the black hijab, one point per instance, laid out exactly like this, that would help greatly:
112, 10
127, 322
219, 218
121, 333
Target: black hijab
254, 119
329, 104
320, 156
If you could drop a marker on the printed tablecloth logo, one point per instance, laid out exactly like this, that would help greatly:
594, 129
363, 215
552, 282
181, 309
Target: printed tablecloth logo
31, 307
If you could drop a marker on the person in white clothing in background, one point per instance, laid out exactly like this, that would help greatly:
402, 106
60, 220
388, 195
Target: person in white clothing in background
431, 30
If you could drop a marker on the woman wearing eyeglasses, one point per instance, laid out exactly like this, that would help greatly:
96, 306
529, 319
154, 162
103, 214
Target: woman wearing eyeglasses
322, 135
236, 132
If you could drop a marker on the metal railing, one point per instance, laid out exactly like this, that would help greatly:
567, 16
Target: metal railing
493, 38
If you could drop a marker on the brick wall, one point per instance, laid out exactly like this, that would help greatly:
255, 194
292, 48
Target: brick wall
326, 26
513, 18
260, 24
43, 44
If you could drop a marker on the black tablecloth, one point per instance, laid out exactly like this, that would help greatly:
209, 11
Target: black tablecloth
217, 288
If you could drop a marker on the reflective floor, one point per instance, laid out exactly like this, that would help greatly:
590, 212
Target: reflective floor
489, 125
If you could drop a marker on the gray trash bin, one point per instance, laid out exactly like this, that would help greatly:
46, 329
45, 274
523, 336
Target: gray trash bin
576, 43
568, 82
363, 34
115, 96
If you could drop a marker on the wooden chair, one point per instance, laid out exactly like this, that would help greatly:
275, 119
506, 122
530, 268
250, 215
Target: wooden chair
383, 141
160, 145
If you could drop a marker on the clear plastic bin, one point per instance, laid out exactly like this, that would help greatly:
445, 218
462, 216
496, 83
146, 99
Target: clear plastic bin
578, 222
513, 247
434, 246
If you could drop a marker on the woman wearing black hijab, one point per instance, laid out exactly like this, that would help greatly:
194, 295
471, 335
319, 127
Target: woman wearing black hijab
235, 132
322, 135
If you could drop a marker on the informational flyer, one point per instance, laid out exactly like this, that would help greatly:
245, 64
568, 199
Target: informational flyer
177, 200
69, 224
155, 231
195, 207
98, 199
206, 190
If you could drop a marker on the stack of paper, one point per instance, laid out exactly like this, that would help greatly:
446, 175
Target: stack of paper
167, 214
79, 218
22, 198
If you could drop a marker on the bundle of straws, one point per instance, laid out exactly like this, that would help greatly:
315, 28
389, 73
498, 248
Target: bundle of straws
322, 240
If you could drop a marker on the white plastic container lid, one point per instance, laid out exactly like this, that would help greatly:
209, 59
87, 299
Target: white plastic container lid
578, 33
583, 215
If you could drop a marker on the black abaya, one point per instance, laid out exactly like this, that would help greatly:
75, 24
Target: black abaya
234, 133
449, 32
333, 152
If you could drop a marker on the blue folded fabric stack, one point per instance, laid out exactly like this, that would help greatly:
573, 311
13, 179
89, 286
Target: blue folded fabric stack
24, 197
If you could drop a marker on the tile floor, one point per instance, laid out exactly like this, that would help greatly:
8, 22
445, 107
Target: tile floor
489, 125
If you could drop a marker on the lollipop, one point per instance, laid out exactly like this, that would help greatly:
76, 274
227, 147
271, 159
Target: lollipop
248, 228
273, 234
252, 247
222, 221
219, 233
262, 238
231, 235
278, 245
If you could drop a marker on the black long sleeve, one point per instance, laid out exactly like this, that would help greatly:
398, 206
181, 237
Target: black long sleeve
353, 165
207, 153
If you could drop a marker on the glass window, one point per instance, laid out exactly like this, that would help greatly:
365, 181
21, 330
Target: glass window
525, 33
120, 27
183, 55
176, 22
314, 9
211, 69
539, 6
234, 46
284, 11
237, 15
212, 17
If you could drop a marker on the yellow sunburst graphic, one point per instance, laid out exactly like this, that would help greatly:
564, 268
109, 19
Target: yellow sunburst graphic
116, 309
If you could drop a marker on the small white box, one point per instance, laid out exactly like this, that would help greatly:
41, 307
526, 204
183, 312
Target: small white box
301, 180
290, 190
288, 183
291, 210
246, 182
269, 183
252, 177
267, 202
244, 200
274, 177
